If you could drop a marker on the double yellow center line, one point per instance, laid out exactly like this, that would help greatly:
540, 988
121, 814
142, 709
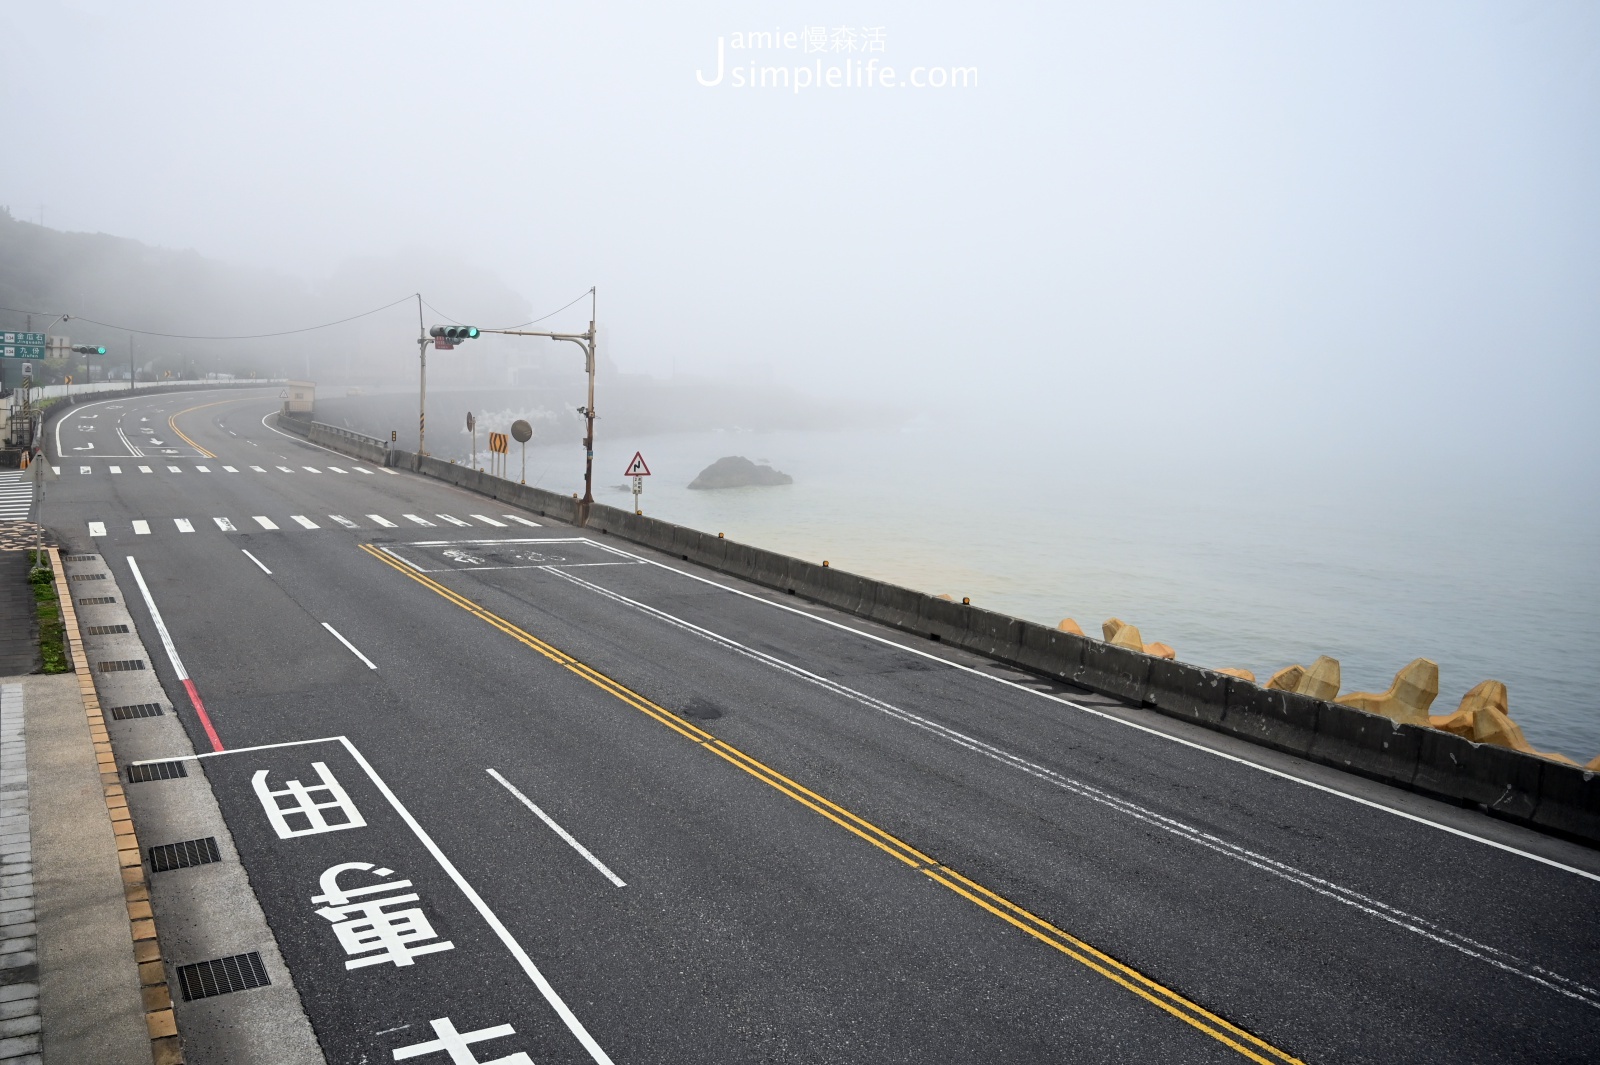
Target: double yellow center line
1158, 995
172, 423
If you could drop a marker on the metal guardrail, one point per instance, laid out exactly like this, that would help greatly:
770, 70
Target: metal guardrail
347, 434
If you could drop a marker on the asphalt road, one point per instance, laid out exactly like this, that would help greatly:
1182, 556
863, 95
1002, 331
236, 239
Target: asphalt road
784, 834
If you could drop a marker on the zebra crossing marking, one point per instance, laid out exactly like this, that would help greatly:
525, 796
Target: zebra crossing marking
141, 527
231, 469
97, 528
285, 469
174, 469
456, 521
145, 469
225, 524
342, 520
418, 520
114, 469
312, 469
265, 522
85, 469
381, 520
305, 522
334, 469
523, 521
259, 469
363, 469
490, 521
183, 524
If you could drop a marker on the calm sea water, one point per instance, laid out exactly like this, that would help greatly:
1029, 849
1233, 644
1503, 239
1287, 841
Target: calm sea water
1228, 575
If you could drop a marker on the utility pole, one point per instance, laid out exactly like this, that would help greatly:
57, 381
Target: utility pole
131, 372
422, 388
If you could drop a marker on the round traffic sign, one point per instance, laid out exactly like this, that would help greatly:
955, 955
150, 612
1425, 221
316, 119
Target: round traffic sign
522, 431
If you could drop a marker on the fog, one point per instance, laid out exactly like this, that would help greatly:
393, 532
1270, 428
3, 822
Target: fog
1355, 236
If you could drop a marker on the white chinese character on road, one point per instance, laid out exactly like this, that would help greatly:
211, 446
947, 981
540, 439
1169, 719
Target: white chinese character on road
370, 932
309, 813
457, 1044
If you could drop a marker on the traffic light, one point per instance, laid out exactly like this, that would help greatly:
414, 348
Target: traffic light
454, 332
89, 349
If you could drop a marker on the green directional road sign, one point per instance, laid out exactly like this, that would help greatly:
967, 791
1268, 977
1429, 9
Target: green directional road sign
22, 345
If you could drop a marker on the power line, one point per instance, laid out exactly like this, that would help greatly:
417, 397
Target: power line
536, 321
248, 336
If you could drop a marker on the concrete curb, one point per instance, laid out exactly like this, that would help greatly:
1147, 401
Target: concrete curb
1563, 800
166, 1047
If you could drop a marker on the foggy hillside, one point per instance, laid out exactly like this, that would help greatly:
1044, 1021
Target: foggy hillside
125, 294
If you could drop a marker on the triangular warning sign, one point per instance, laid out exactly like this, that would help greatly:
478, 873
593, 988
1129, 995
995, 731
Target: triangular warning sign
637, 468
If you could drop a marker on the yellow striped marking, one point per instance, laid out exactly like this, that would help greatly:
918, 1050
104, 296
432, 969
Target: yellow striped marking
172, 423
1127, 977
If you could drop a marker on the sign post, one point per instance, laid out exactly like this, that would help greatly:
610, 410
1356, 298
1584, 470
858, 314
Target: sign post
638, 471
472, 427
522, 432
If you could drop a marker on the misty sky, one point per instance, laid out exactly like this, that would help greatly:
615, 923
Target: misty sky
1365, 231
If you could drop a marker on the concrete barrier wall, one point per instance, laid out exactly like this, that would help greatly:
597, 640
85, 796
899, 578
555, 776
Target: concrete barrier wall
1559, 798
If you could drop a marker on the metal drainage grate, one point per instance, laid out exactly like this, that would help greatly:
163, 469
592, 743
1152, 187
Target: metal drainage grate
122, 665
183, 855
123, 713
81, 558
97, 600
222, 976
138, 774
105, 630
87, 577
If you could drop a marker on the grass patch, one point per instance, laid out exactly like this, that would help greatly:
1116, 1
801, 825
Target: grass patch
52, 633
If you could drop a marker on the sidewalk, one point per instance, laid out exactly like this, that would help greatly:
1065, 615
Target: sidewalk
69, 982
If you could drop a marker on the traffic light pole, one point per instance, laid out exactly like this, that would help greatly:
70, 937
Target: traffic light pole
586, 341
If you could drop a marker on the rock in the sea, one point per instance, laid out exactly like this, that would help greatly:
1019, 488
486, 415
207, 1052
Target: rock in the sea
736, 471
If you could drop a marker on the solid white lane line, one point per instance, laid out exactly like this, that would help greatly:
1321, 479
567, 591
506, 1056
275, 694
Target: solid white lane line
258, 562
265, 522
419, 521
342, 520
97, 528
115, 469
141, 527
1114, 719
183, 524
1329, 889
225, 524
231, 469
489, 521
455, 521
570, 1019
385, 522
349, 645
523, 521
558, 830
305, 522
161, 625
